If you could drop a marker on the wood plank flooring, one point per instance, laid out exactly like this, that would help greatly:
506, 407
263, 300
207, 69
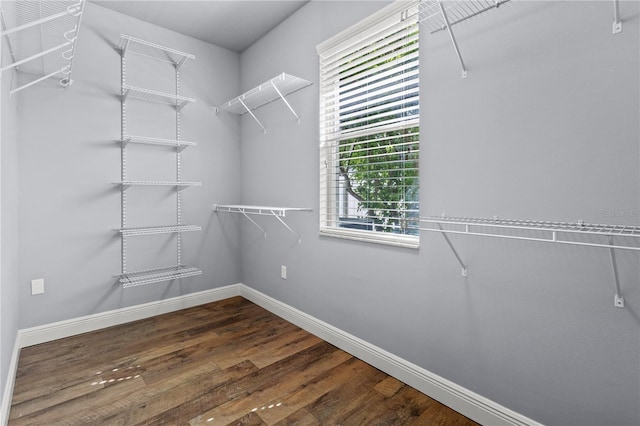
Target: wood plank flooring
228, 362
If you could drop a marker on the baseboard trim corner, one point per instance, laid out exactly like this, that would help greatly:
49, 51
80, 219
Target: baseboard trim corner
9, 384
463, 400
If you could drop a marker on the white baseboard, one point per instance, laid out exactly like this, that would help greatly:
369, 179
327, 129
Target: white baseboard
469, 403
72, 327
8, 386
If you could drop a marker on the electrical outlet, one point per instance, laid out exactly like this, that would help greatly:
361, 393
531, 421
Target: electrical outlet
37, 286
283, 272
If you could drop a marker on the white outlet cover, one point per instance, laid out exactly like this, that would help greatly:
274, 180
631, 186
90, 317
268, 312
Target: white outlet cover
37, 286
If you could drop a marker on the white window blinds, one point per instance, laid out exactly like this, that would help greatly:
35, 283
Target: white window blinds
369, 129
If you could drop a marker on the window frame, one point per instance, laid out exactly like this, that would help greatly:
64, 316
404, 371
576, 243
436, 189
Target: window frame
401, 12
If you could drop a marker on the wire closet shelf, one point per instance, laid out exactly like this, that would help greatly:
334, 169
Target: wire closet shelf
279, 213
276, 88
612, 237
131, 45
551, 232
42, 40
442, 15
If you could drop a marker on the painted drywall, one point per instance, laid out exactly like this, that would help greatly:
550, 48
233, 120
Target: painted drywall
545, 127
8, 218
68, 158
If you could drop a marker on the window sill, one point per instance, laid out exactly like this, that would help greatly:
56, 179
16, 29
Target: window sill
405, 241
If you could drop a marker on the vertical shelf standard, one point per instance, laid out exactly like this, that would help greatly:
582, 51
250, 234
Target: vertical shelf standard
131, 45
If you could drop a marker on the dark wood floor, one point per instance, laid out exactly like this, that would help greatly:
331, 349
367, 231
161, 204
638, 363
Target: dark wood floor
229, 362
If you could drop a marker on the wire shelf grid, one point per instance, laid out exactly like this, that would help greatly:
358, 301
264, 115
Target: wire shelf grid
155, 230
155, 51
154, 96
156, 183
430, 14
180, 144
554, 230
150, 276
267, 92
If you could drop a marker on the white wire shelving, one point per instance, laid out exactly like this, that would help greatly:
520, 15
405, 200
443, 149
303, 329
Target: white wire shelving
279, 213
155, 51
611, 237
156, 230
144, 140
271, 90
442, 15
176, 58
128, 183
151, 276
154, 96
42, 41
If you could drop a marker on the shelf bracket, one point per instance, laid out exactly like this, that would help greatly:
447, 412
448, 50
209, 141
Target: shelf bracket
453, 249
254, 222
453, 39
287, 226
618, 300
285, 101
252, 115
617, 23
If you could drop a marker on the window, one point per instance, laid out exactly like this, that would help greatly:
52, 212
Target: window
369, 129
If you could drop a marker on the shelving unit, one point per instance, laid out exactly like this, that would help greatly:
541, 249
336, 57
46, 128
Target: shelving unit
442, 15
611, 237
277, 212
42, 29
131, 45
269, 91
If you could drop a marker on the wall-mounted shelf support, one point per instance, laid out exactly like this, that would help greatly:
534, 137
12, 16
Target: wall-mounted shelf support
465, 271
277, 212
453, 39
618, 300
617, 23
612, 237
276, 88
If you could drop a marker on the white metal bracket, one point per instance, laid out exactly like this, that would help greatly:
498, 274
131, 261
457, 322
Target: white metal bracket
252, 115
455, 252
285, 101
617, 23
453, 39
618, 300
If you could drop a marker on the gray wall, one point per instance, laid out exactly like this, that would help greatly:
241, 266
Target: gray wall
68, 157
8, 222
544, 128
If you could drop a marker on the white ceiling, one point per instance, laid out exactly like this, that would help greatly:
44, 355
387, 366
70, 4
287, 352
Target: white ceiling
235, 25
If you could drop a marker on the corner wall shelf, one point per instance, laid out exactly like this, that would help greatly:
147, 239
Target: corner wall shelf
269, 91
132, 279
155, 52
43, 28
441, 15
612, 237
276, 212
